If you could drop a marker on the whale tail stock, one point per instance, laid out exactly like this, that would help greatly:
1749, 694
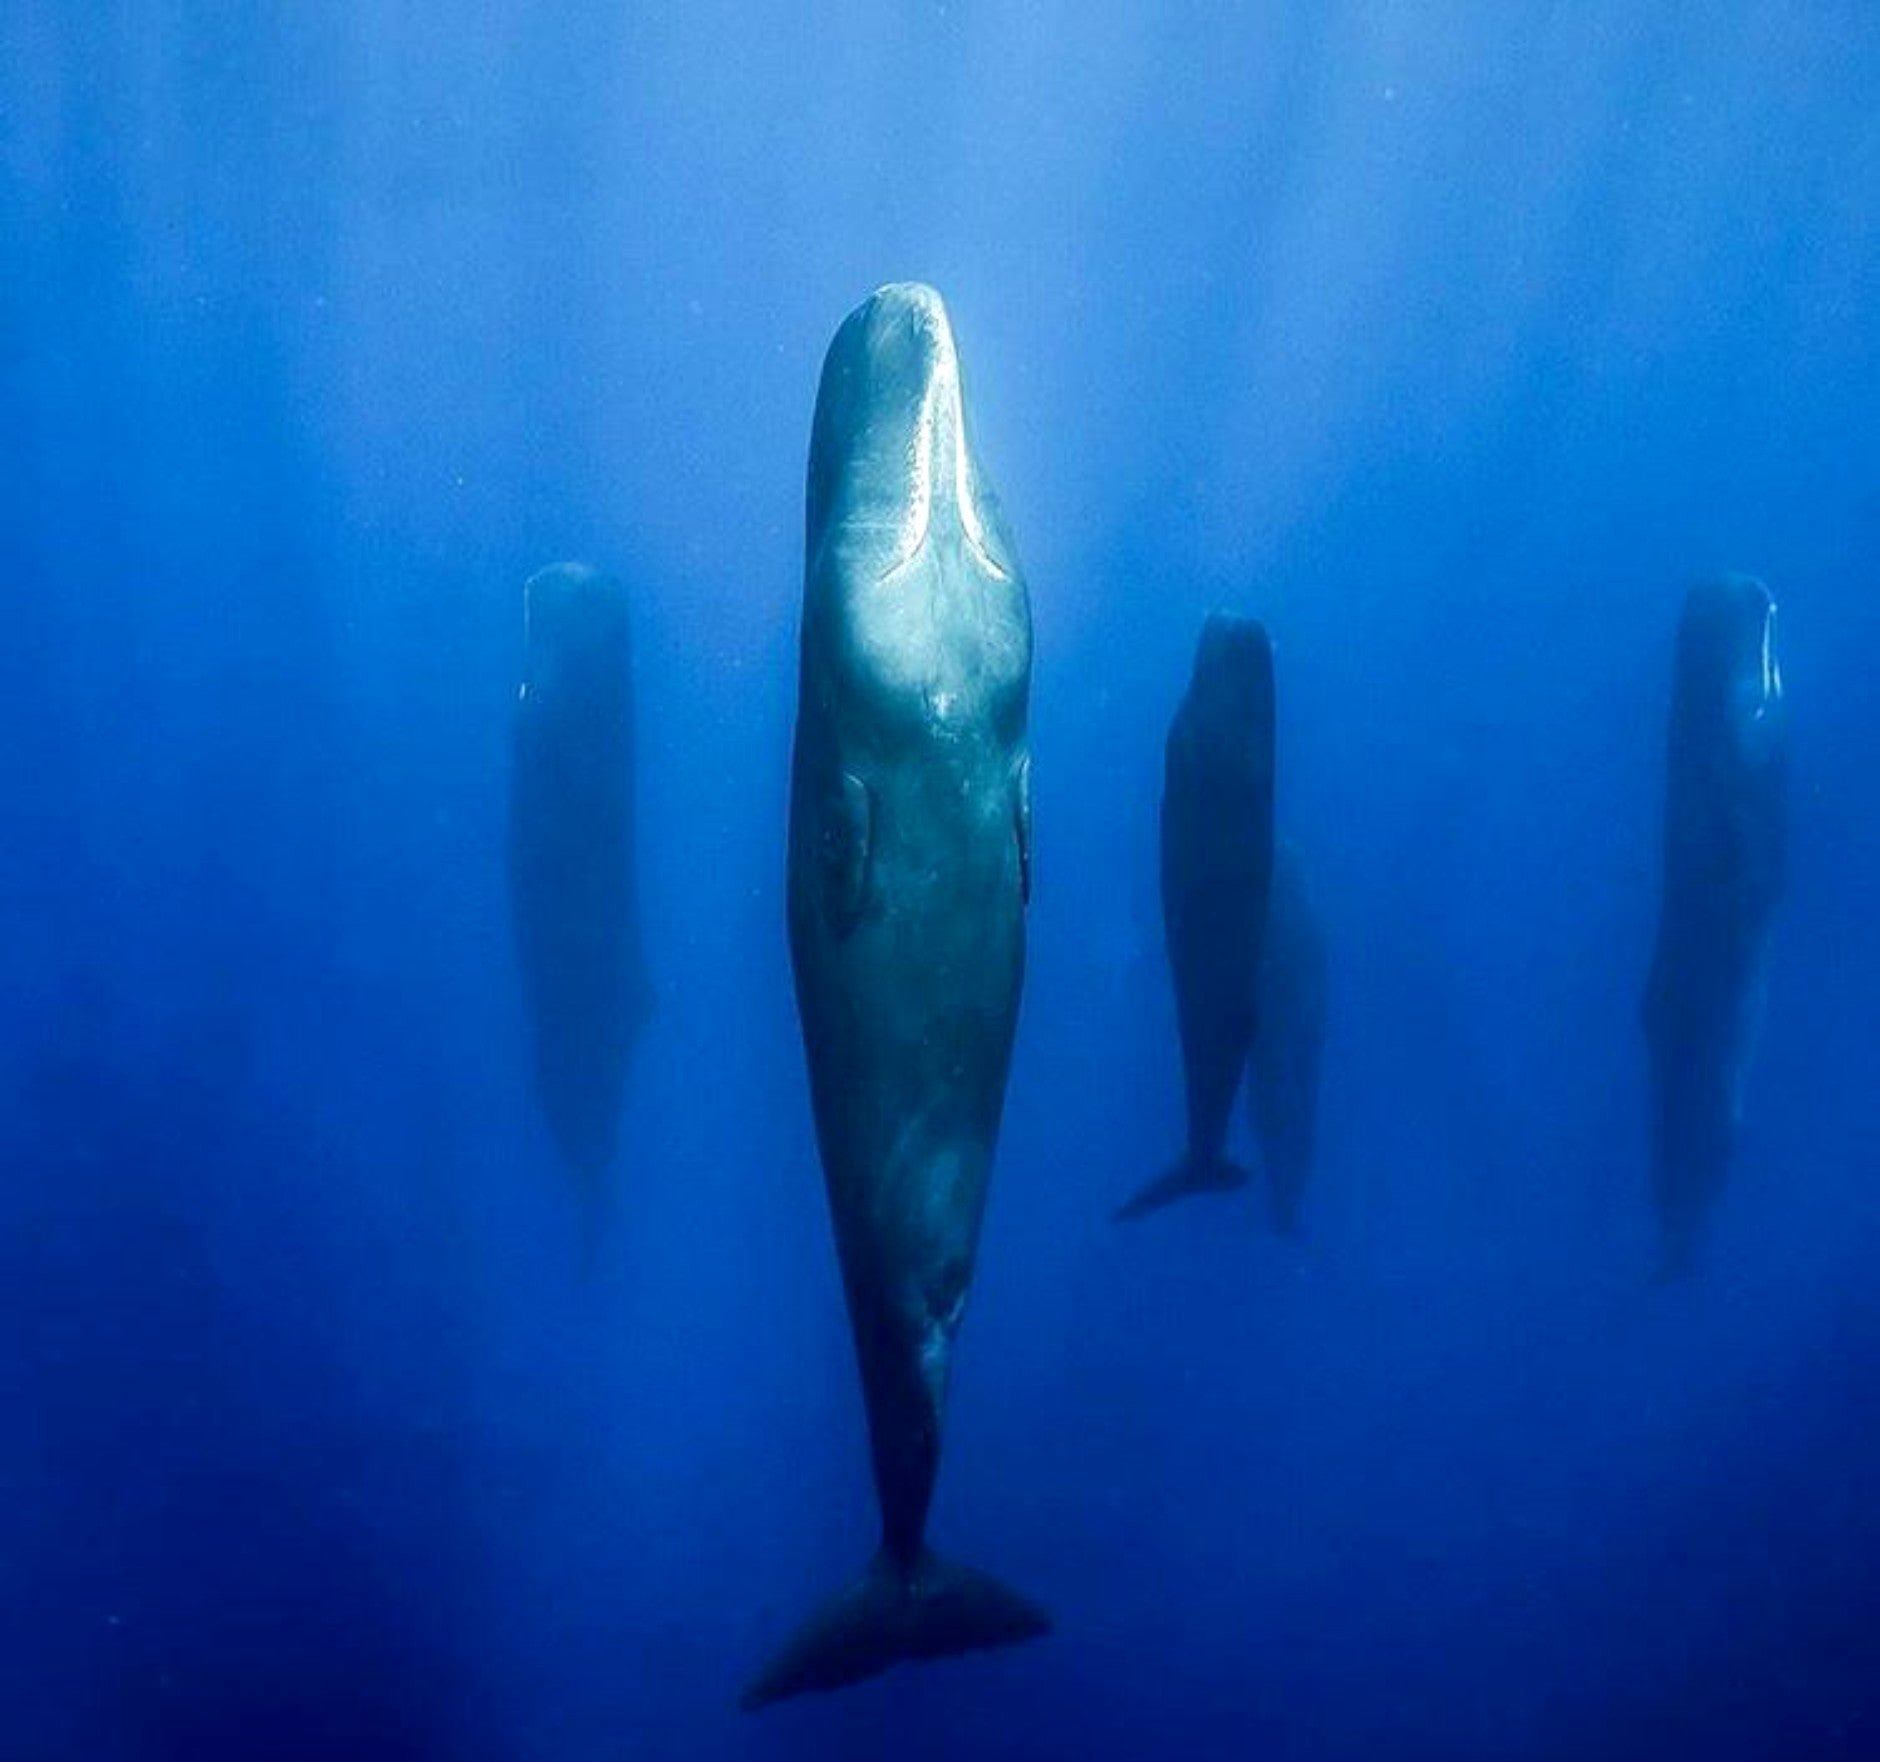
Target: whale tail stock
933, 1609
1189, 1176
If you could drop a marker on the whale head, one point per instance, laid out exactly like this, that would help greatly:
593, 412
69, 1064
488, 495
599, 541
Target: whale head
575, 636
892, 467
1727, 665
1232, 684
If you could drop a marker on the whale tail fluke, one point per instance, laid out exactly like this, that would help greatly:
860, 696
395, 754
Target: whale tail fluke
1189, 1176
894, 1613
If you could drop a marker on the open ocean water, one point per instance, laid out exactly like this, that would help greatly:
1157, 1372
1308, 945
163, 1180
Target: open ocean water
1453, 341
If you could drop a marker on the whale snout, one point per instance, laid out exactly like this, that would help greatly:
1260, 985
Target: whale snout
1231, 643
1233, 672
890, 451
1726, 641
908, 314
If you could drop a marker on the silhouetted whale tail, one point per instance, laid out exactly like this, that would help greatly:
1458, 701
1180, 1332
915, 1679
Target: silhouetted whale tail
893, 1613
1189, 1176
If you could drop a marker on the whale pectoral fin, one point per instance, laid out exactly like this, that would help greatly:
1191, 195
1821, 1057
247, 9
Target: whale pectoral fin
847, 834
1021, 824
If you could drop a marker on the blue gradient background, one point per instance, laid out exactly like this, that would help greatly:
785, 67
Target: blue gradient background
1450, 338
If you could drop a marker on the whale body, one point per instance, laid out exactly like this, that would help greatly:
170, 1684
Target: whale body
1217, 867
571, 860
1724, 835
909, 872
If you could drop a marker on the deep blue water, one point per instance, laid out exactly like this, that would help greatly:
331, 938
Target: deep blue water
1452, 339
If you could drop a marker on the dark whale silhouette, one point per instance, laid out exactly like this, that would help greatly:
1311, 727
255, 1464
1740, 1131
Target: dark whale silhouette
571, 862
910, 862
1283, 1070
1217, 865
1724, 834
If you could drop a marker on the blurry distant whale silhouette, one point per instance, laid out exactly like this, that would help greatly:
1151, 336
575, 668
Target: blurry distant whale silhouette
1724, 832
1217, 866
1283, 1071
571, 862
909, 871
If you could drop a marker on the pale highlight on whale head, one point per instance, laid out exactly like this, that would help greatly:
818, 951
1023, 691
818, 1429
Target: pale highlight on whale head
1727, 661
1771, 667
890, 456
574, 630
